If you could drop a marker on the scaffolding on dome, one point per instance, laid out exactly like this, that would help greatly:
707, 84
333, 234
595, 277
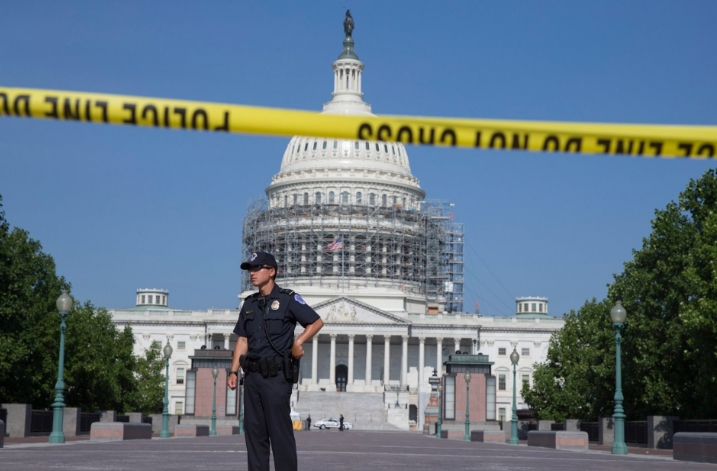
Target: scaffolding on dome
418, 251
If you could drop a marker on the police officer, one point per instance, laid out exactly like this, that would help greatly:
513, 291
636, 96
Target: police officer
264, 350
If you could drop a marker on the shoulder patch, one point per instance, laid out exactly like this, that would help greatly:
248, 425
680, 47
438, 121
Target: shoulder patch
299, 299
286, 291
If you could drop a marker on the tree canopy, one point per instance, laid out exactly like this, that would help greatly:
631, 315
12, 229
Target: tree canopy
669, 356
100, 369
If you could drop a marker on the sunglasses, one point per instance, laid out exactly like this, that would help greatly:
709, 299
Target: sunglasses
256, 268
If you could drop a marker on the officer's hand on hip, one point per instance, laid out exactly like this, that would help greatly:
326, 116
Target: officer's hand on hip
297, 350
232, 382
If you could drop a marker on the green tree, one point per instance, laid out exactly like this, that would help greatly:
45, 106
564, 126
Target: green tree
149, 374
669, 358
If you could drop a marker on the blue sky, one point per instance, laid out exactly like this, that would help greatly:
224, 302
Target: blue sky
122, 208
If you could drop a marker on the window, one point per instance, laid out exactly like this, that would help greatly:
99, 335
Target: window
501, 351
179, 408
395, 200
525, 307
336, 144
143, 302
317, 197
385, 148
490, 397
383, 200
180, 375
501, 382
540, 307
296, 198
520, 308
286, 200
378, 149
332, 197
190, 388
367, 146
501, 414
356, 145
306, 147
345, 197
314, 148
156, 299
358, 197
323, 146
525, 352
526, 380
181, 345
533, 307
393, 149
450, 398
306, 198
164, 300
372, 199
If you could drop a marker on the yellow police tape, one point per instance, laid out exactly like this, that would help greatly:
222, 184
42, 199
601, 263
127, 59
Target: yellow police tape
646, 140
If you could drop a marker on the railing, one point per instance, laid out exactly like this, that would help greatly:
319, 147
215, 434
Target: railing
557, 427
122, 418
592, 429
703, 426
87, 419
636, 432
41, 421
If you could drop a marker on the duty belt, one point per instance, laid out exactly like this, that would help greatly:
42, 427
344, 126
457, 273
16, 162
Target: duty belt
266, 366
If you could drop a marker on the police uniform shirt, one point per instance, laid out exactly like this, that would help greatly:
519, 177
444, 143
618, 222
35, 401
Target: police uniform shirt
282, 309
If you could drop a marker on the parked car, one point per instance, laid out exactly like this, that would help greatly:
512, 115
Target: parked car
332, 423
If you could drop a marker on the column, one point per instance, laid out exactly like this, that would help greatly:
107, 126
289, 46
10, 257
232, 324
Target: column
369, 345
421, 359
226, 341
351, 360
208, 341
315, 359
332, 363
439, 355
457, 344
404, 360
386, 358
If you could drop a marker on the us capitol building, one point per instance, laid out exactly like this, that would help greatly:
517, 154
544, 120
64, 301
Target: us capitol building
353, 233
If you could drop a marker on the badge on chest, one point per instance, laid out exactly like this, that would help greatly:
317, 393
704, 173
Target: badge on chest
275, 305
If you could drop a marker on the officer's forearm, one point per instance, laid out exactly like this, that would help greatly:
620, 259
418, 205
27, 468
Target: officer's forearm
240, 349
309, 331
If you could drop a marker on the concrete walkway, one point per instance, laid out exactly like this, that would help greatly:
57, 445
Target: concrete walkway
330, 450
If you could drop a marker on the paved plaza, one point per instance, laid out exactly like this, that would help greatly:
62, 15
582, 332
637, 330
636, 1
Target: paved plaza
329, 450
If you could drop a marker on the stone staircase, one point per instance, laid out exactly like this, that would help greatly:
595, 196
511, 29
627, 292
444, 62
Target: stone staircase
364, 410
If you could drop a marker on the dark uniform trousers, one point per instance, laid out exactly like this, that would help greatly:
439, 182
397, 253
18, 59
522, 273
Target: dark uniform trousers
267, 421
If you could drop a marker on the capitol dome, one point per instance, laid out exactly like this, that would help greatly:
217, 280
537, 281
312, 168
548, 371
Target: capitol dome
349, 215
323, 170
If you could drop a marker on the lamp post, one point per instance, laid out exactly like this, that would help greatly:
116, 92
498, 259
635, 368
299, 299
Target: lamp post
618, 314
398, 391
467, 434
514, 358
440, 410
167, 350
64, 304
213, 431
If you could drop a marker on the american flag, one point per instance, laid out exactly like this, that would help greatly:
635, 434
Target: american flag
336, 244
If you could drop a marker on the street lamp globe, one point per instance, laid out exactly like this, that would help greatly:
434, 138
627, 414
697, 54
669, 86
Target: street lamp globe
514, 357
215, 372
167, 350
618, 313
64, 302
467, 376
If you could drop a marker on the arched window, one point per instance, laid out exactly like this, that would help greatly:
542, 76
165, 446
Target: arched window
317, 197
332, 198
306, 198
395, 200
384, 200
336, 144
286, 200
358, 197
378, 149
367, 146
306, 147
393, 149
345, 197
385, 148
296, 198
356, 144
324, 145
314, 146
372, 199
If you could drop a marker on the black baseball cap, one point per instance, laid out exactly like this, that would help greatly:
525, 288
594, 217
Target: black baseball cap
259, 259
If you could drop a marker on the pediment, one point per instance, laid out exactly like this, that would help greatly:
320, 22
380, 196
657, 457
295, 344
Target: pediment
344, 310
